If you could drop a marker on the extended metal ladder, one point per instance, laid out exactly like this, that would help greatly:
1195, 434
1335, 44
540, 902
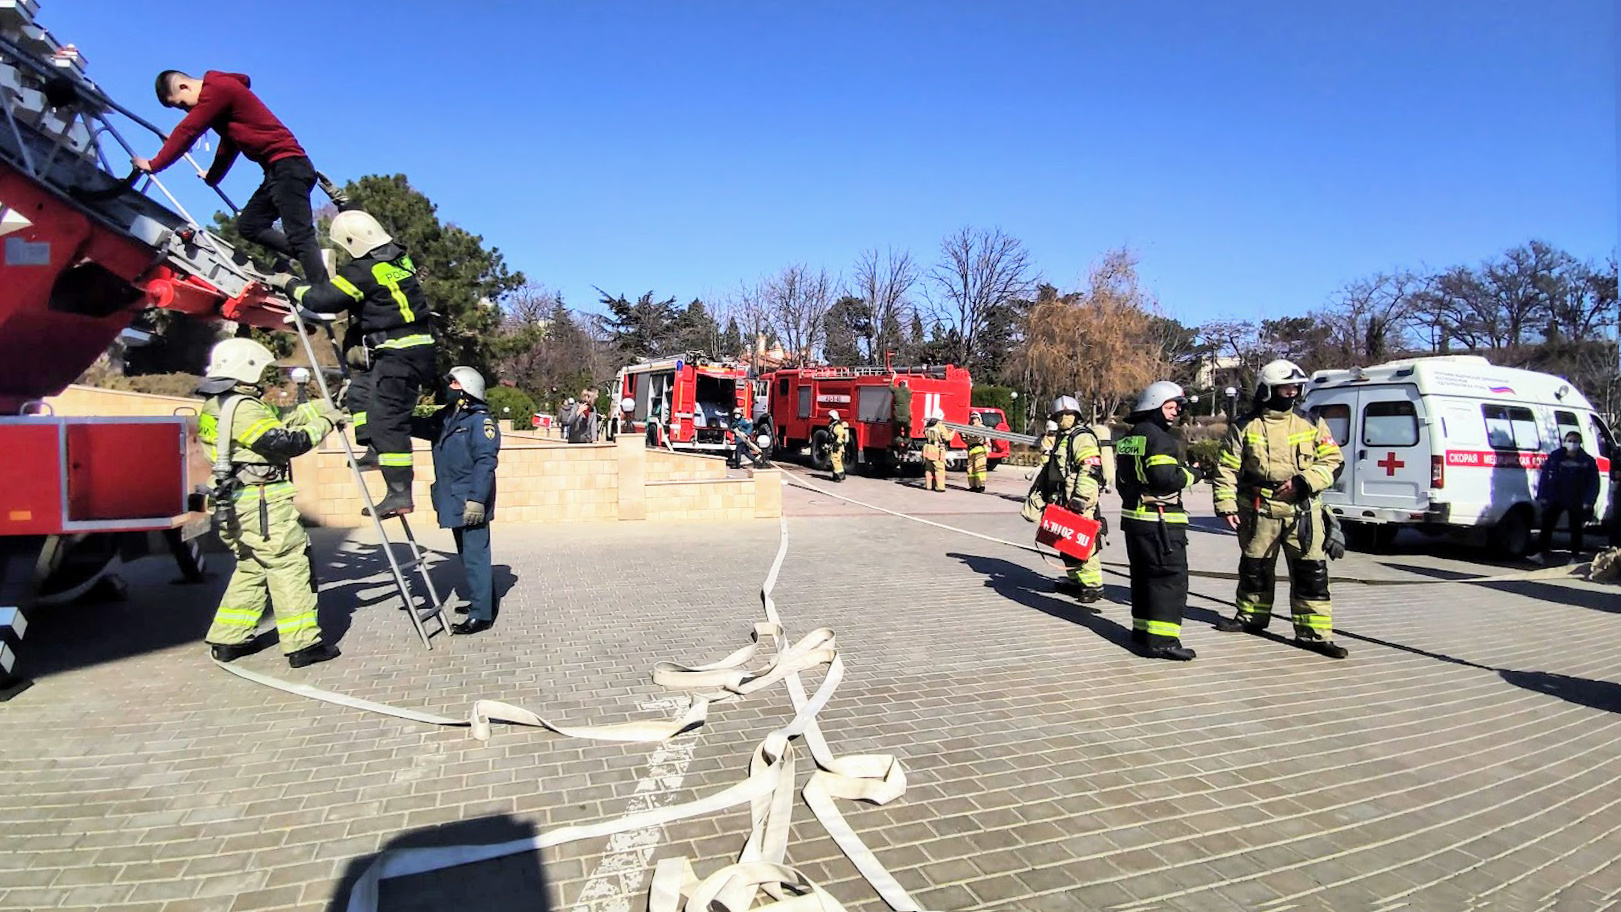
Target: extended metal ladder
434, 609
58, 141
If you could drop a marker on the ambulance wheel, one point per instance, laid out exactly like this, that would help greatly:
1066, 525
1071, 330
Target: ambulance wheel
1359, 536
1384, 536
1511, 537
821, 448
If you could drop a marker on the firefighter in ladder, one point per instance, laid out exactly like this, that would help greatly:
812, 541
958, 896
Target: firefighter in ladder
1273, 463
839, 441
394, 347
253, 504
1151, 475
978, 455
936, 441
1073, 476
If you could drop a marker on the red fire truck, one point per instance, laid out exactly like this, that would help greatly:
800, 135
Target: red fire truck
84, 251
690, 397
887, 409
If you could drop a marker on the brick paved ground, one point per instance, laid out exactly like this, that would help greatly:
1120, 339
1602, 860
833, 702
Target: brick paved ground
1466, 751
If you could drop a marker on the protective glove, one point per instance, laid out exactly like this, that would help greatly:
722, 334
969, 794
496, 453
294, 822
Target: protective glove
282, 282
310, 317
332, 413
358, 357
1334, 536
474, 514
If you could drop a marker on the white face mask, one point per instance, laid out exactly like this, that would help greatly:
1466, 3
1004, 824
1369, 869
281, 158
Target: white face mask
1571, 446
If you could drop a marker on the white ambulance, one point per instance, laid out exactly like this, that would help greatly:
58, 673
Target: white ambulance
1451, 443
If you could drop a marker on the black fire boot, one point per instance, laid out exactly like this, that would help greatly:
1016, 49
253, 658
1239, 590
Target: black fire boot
398, 499
309, 655
230, 652
1176, 652
367, 461
1090, 594
1235, 624
1323, 647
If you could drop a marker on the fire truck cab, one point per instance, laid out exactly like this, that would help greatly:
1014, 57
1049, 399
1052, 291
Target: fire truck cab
689, 398
887, 410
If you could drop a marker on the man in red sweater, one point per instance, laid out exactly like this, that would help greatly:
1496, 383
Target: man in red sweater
223, 103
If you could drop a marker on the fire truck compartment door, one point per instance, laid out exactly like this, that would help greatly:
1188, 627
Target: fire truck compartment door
875, 403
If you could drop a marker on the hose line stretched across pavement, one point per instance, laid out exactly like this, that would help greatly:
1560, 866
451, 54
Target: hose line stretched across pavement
768, 788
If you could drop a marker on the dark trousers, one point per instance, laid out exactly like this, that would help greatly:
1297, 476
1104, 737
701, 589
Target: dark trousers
381, 399
1158, 553
473, 544
1550, 518
286, 194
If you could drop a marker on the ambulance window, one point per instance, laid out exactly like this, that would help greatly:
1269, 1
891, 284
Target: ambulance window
1338, 418
1462, 425
1599, 443
1511, 428
1567, 422
1393, 423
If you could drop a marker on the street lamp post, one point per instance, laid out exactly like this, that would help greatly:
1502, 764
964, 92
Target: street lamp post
1232, 401
301, 378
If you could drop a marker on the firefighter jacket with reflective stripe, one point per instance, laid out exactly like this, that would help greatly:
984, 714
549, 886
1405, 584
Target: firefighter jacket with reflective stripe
841, 433
1151, 474
939, 435
381, 292
1267, 448
265, 445
1077, 460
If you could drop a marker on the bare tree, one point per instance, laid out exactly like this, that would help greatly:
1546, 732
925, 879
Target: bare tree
528, 305
1098, 343
1370, 319
980, 273
885, 281
797, 300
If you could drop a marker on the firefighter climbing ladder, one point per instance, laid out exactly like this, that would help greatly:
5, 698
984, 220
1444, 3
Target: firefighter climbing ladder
62, 150
434, 610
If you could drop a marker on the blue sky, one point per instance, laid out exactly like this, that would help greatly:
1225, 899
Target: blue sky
1256, 155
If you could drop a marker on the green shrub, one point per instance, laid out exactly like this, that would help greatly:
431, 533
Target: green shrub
503, 398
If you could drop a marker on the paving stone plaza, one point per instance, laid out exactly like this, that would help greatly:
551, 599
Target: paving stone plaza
1466, 755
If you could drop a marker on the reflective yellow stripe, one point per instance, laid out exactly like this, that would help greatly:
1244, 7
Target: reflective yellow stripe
348, 288
357, 419
1226, 494
1158, 628
1314, 621
1154, 516
237, 617
411, 341
296, 623
1231, 460
1303, 436
1160, 460
252, 493
257, 430
388, 275
394, 459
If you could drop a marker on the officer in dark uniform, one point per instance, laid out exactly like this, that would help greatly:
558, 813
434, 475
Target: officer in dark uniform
1151, 475
466, 442
391, 338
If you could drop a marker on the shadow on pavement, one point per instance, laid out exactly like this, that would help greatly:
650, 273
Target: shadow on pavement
1545, 591
508, 884
1605, 695
1032, 590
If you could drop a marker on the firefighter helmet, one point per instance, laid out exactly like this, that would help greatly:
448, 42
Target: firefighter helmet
1158, 393
1066, 404
472, 383
833, 414
243, 360
975, 418
357, 232
1279, 373
1052, 426
627, 404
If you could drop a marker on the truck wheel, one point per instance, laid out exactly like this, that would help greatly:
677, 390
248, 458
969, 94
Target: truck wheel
957, 465
1511, 537
991, 464
821, 446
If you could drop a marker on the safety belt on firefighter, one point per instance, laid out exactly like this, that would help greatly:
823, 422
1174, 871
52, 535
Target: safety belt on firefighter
429, 608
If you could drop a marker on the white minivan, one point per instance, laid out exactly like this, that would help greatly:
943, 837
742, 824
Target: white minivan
1450, 443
